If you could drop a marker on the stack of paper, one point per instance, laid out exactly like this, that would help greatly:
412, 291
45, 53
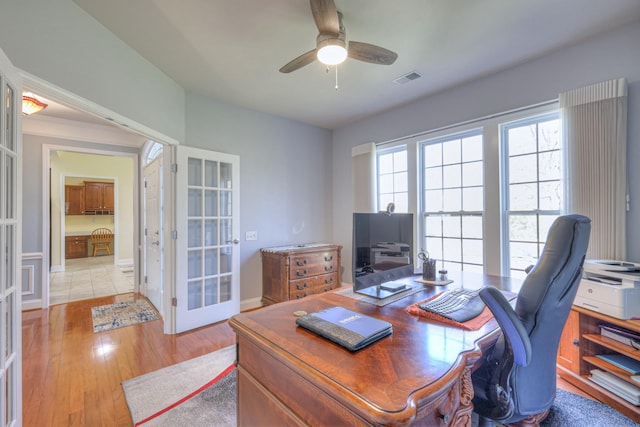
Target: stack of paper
621, 335
616, 385
621, 361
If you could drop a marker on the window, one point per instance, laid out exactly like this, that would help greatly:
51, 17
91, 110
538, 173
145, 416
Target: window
393, 178
452, 200
484, 193
532, 194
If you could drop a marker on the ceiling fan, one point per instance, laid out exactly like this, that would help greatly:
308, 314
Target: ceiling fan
331, 46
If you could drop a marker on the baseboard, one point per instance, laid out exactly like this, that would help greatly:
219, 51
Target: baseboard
32, 304
124, 262
56, 269
250, 304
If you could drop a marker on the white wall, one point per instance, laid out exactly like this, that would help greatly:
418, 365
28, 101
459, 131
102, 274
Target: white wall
609, 56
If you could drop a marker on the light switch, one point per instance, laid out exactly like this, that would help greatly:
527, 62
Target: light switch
251, 235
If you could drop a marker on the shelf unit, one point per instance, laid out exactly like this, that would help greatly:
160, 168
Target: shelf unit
581, 342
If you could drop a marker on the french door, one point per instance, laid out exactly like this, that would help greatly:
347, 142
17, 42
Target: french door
10, 238
207, 243
153, 283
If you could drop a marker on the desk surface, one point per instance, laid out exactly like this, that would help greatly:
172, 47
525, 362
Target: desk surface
387, 382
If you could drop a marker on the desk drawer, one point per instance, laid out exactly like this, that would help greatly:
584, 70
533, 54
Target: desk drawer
312, 285
307, 265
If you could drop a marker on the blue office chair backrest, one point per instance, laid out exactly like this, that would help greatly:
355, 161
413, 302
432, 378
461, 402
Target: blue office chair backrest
542, 308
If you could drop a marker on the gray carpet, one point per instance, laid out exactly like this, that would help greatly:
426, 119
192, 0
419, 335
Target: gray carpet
571, 410
216, 405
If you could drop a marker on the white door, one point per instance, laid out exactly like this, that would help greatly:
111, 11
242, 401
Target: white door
10, 238
153, 283
207, 225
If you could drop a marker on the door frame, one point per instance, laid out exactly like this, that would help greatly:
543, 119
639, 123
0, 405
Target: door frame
58, 94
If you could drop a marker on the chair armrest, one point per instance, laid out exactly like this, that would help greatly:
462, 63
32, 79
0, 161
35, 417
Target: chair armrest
512, 328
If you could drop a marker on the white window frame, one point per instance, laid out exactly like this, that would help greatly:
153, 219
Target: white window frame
448, 263
493, 210
394, 194
541, 230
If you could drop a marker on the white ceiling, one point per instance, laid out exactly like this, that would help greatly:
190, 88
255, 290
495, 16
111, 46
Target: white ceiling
231, 50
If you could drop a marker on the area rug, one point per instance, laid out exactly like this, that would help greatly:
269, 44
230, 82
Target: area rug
202, 405
120, 314
199, 392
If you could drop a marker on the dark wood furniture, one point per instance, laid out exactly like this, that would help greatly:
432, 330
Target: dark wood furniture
420, 375
98, 198
76, 246
294, 272
579, 344
74, 199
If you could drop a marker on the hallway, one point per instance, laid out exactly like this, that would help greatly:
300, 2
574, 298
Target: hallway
90, 277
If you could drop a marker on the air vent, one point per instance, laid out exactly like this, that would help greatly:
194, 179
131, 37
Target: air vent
407, 78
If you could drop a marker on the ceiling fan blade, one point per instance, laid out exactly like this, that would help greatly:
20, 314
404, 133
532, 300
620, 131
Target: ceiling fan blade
299, 62
371, 53
326, 16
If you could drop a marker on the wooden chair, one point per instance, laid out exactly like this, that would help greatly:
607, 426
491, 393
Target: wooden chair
101, 238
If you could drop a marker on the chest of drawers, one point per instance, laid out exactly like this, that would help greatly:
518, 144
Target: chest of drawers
294, 272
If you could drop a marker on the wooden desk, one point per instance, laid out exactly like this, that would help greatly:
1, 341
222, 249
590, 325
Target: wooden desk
421, 374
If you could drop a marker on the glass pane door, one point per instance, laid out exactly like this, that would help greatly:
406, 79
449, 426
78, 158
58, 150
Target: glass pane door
10, 343
210, 247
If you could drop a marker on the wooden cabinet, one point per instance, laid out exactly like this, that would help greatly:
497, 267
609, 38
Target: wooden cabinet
74, 199
581, 342
76, 247
294, 272
98, 197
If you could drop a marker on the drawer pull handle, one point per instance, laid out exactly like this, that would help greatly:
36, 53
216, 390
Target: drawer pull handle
328, 281
328, 258
298, 296
328, 267
301, 263
301, 287
301, 273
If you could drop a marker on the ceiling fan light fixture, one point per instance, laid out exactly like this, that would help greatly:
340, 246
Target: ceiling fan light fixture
331, 51
31, 104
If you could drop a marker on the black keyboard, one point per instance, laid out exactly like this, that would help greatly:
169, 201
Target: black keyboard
455, 304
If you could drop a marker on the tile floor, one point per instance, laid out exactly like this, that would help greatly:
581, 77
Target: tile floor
90, 277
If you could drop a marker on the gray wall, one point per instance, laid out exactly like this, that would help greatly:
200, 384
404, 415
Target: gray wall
285, 177
285, 166
608, 56
73, 51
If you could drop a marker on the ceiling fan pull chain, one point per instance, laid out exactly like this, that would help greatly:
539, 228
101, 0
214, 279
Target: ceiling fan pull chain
336, 77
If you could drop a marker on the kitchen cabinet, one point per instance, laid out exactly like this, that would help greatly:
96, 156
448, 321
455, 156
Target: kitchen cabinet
98, 198
74, 199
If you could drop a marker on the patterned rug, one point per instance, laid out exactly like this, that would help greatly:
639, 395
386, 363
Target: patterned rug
118, 315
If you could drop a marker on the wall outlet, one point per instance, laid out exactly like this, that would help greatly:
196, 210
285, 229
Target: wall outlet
251, 235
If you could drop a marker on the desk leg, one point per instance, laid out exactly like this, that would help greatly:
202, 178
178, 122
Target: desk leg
462, 416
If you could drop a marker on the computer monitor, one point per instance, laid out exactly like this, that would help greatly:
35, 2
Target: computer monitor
382, 250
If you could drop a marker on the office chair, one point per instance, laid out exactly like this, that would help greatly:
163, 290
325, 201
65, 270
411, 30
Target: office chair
515, 383
101, 238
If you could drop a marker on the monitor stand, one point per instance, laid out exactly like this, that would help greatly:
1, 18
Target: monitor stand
384, 290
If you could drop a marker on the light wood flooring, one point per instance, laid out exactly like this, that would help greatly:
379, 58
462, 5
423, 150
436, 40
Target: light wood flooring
72, 376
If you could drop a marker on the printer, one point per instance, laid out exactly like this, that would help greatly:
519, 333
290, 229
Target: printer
391, 252
610, 287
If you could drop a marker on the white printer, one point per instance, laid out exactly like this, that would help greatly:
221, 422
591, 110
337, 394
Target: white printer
611, 288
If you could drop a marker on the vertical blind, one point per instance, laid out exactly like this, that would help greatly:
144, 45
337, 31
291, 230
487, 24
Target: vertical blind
363, 168
595, 139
